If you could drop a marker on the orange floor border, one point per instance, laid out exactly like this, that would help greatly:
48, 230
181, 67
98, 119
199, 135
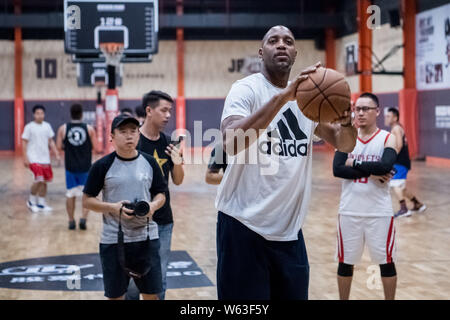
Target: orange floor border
439, 162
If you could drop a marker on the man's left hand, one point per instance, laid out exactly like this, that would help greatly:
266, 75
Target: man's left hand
175, 154
58, 161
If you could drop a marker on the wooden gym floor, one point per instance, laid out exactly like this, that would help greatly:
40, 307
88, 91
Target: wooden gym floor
423, 239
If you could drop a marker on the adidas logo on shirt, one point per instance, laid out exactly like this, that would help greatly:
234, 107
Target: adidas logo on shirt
289, 144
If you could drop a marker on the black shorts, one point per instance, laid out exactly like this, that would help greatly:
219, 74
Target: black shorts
116, 280
249, 267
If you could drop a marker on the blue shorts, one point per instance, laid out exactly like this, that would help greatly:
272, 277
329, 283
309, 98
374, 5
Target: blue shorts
75, 179
399, 179
402, 172
249, 267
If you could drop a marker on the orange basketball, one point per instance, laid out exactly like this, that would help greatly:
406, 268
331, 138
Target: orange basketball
324, 96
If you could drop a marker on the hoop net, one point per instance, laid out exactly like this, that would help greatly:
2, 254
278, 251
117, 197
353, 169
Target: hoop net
99, 84
113, 52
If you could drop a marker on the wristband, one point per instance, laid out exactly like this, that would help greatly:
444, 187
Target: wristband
356, 163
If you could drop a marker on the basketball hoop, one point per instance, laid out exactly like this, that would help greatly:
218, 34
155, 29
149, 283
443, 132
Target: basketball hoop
113, 52
99, 85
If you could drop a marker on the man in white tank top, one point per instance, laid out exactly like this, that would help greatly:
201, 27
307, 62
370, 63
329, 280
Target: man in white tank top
365, 210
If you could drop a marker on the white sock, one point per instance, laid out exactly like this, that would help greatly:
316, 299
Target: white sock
41, 201
33, 199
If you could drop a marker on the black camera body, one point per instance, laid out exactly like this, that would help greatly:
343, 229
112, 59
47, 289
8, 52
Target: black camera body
140, 208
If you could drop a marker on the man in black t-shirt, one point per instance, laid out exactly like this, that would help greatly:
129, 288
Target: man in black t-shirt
129, 245
158, 108
77, 139
140, 114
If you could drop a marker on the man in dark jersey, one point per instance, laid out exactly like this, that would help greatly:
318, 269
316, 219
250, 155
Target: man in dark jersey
217, 162
140, 114
402, 166
77, 139
153, 141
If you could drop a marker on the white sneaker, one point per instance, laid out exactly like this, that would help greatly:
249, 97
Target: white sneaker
422, 208
403, 213
33, 207
44, 208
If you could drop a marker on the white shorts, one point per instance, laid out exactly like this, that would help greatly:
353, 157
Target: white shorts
398, 183
377, 232
75, 192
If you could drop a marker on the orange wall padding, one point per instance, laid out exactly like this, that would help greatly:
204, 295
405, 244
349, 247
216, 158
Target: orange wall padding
408, 107
330, 48
409, 118
365, 47
18, 92
409, 39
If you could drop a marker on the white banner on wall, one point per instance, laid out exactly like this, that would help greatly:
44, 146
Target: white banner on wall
433, 48
442, 114
351, 58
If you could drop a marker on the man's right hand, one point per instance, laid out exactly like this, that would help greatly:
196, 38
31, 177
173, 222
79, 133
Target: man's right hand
26, 162
290, 92
126, 213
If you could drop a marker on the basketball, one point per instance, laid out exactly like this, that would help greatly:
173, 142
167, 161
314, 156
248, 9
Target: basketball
324, 96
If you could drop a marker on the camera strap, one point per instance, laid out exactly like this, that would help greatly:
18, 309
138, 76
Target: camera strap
121, 250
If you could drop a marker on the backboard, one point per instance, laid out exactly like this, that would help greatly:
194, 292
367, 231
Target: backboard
81, 58
90, 73
87, 23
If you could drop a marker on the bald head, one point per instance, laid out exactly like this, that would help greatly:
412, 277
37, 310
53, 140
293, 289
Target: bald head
277, 50
276, 29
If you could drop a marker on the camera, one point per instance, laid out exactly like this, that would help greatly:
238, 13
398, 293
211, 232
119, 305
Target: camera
140, 208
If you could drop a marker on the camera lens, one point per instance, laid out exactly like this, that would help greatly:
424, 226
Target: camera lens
141, 208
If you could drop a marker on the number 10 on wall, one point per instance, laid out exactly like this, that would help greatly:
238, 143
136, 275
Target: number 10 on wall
46, 68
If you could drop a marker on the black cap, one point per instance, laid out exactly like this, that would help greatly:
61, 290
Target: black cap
122, 119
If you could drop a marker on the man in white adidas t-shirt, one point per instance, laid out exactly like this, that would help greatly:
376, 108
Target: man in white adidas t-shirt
37, 141
264, 194
365, 211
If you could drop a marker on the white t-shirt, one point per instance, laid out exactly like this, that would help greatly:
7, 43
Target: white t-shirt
366, 197
37, 136
271, 194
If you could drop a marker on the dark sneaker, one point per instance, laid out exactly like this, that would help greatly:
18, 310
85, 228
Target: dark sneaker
402, 213
419, 207
82, 224
72, 225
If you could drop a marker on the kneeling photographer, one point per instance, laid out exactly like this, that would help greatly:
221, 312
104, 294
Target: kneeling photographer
133, 189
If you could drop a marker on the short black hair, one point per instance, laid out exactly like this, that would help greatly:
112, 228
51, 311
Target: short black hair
127, 110
140, 111
38, 106
395, 112
371, 96
76, 111
152, 98
277, 26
